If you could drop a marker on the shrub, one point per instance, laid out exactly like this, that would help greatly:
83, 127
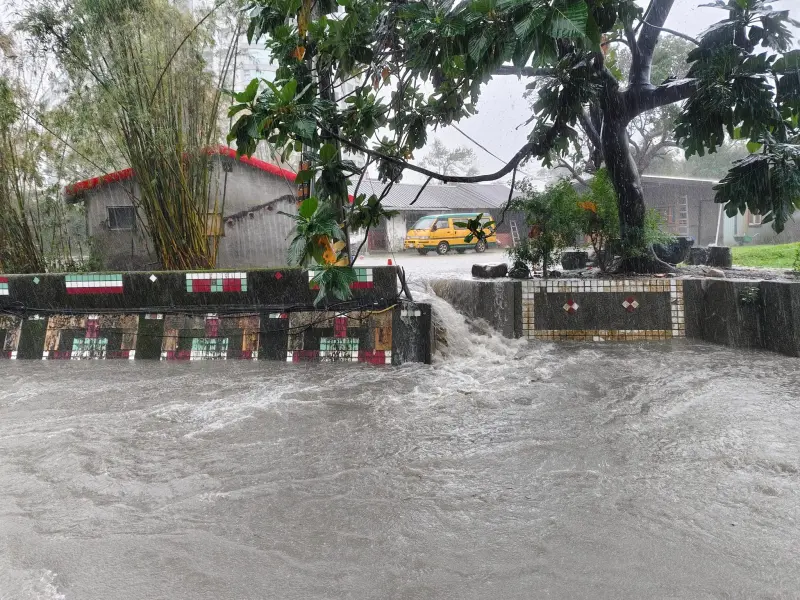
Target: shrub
600, 217
554, 219
600, 222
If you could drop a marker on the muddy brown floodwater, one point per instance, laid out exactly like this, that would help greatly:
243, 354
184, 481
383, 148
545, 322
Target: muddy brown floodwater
505, 470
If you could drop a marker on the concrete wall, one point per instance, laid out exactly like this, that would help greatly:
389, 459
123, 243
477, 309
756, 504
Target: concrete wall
745, 314
118, 249
396, 233
499, 303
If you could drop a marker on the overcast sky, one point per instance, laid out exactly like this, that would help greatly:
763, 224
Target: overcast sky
502, 106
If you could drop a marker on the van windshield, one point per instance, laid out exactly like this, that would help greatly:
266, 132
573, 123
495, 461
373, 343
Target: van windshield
424, 223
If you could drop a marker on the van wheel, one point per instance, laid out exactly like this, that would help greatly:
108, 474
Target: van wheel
480, 246
460, 250
442, 248
422, 251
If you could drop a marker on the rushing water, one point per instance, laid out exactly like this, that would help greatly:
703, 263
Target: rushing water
505, 470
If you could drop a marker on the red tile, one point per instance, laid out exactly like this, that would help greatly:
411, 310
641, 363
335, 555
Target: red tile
212, 327
231, 285
91, 329
201, 285
305, 355
373, 357
340, 327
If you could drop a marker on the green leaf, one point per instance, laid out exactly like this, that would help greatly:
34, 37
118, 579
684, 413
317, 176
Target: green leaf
754, 146
529, 23
289, 90
236, 108
249, 93
308, 207
327, 153
788, 62
304, 176
569, 19
305, 128
478, 45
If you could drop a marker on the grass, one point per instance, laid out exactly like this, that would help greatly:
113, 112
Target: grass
781, 256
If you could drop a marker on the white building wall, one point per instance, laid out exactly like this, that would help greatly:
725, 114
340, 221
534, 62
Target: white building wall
396, 233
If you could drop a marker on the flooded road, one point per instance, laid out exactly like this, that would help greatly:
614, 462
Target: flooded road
506, 471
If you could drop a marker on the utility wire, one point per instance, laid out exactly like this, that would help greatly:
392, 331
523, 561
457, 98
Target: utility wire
484, 148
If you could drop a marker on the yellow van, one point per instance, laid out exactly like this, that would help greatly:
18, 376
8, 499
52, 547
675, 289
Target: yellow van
438, 232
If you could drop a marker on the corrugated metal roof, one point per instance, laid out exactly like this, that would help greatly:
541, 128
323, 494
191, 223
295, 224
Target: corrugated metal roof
673, 179
447, 197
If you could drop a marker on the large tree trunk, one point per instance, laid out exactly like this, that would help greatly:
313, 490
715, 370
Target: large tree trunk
625, 177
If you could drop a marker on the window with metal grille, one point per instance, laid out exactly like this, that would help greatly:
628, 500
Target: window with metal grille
121, 218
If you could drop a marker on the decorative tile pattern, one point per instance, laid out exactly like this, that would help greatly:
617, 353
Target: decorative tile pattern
3, 286
216, 282
153, 278
571, 306
630, 304
363, 279
677, 308
211, 337
94, 283
359, 336
10, 330
91, 337
645, 301
410, 312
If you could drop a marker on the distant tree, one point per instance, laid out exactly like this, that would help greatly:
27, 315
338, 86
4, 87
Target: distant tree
710, 166
446, 161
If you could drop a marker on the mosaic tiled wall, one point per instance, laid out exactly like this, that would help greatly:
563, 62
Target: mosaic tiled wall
361, 336
189, 337
259, 314
599, 310
365, 336
364, 279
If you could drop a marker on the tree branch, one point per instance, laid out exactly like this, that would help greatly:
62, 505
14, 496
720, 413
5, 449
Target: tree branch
589, 128
648, 38
673, 32
422, 189
639, 100
175, 53
527, 71
573, 172
540, 146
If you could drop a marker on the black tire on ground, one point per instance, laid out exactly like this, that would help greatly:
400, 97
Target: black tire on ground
442, 248
480, 247
422, 251
460, 250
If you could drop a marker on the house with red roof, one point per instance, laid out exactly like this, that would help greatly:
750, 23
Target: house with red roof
251, 193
